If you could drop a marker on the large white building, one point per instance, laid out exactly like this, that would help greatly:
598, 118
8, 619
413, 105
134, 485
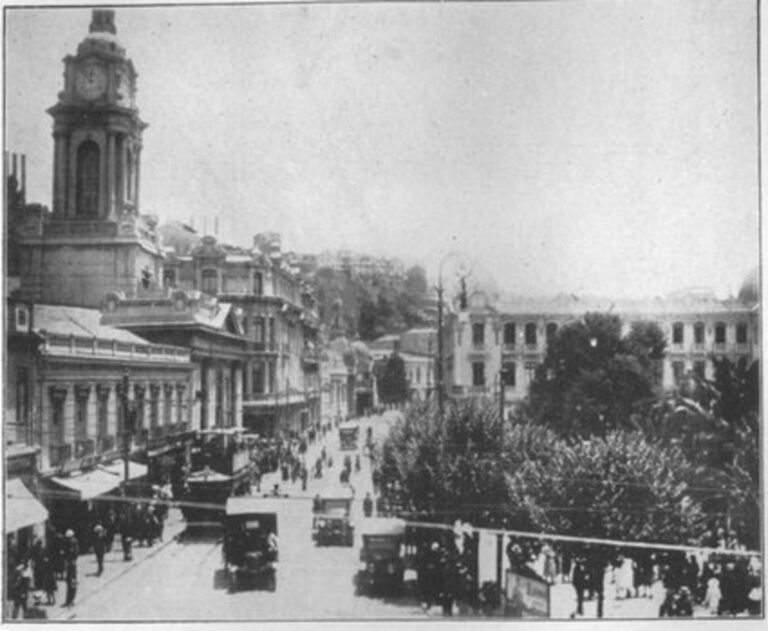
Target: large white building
514, 331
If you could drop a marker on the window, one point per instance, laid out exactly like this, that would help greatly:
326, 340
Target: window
81, 411
258, 329
87, 184
678, 371
698, 333
741, 333
169, 278
677, 333
530, 334
509, 334
22, 396
272, 332
418, 374
699, 368
530, 370
181, 415
720, 333
257, 284
509, 374
551, 331
210, 281
102, 410
478, 374
258, 379
478, 334
58, 395
139, 401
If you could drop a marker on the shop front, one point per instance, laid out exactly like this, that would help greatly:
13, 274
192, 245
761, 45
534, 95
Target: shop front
25, 519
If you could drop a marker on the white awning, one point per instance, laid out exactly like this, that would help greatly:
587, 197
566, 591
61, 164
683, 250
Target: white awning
22, 509
87, 485
117, 468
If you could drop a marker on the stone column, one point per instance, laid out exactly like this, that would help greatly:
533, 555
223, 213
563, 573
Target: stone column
110, 175
237, 404
60, 174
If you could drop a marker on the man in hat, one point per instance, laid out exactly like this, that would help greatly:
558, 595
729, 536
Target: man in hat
70, 569
99, 546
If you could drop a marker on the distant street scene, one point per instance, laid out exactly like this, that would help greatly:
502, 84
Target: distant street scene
382, 311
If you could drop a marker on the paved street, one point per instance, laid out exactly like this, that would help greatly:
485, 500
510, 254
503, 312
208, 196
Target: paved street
182, 578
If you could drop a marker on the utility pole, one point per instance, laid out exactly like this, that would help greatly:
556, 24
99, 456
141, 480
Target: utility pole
439, 366
127, 430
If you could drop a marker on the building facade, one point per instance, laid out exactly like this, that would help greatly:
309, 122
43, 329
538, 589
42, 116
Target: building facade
277, 315
514, 333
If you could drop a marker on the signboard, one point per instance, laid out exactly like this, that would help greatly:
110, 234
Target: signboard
526, 597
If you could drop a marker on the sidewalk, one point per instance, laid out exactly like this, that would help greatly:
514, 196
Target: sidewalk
89, 584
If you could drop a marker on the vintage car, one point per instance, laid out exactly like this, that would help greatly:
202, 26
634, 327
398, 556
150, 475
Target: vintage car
250, 542
381, 556
348, 436
332, 524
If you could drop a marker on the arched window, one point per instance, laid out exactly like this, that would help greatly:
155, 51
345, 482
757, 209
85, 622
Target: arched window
530, 334
551, 331
87, 189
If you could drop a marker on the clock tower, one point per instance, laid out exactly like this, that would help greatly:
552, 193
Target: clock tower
95, 241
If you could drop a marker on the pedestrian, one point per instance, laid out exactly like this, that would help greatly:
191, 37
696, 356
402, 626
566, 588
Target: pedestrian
49, 579
713, 595
110, 525
357, 463
580, 582
304, 476
72, 548
368, 505
18, 586
71, 580
36, 557
99, 547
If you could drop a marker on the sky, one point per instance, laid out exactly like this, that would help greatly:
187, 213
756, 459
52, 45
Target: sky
584, 147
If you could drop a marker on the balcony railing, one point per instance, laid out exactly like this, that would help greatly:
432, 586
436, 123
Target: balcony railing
84, 447
59, 454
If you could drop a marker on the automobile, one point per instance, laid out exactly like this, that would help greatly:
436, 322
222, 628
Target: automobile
348, 435
331, 523
250, 548
382, 556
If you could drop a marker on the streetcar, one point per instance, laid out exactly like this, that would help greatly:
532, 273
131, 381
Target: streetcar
250, 547
221, 468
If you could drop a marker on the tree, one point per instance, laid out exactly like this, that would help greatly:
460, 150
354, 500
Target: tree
392, 382
717, 422
620, 487
592, 380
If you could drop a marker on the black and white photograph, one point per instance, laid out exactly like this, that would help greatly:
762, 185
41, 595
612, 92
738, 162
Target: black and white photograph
383, 312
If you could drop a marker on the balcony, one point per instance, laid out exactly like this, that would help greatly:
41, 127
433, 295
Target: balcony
106, 443
84, 447
59, 454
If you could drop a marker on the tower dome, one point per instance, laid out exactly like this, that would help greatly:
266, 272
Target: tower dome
750, 288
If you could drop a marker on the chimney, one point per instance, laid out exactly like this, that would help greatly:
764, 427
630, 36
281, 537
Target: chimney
24, 176
14, 170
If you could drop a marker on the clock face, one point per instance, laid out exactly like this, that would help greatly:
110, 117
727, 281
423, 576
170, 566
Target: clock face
91, 81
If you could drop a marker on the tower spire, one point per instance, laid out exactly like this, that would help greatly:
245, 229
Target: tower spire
103, 21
